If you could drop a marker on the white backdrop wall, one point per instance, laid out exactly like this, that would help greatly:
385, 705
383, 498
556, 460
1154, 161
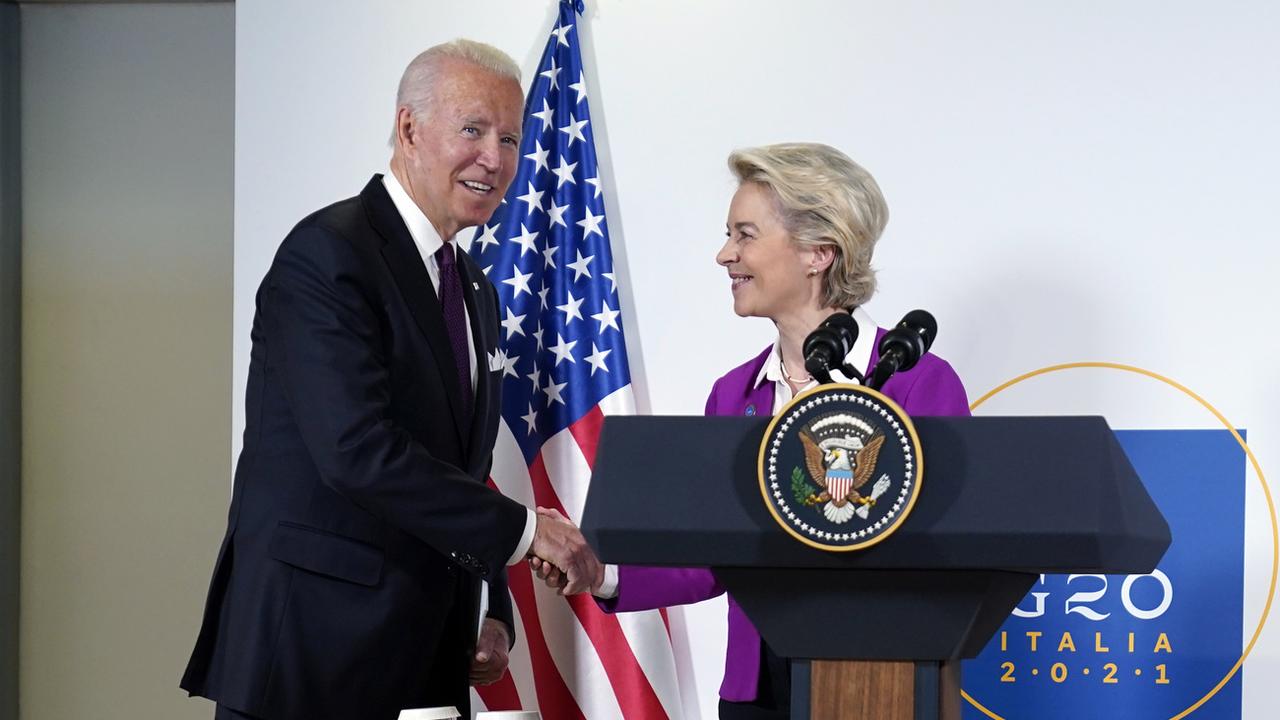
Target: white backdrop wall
1067, 181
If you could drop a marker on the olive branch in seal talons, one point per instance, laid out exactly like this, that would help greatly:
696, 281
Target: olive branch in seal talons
804, 493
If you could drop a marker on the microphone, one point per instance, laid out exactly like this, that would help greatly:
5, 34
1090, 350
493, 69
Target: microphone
826, 346
902, 347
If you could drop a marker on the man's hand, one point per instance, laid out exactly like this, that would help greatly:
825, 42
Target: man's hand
547, 573
556, 541
490, 660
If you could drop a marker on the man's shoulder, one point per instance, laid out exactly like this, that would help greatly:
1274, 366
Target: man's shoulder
346, 217
343, 225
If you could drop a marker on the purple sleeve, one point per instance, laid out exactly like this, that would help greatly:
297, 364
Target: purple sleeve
646, 588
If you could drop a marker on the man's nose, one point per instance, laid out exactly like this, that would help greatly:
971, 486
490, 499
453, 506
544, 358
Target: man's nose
490, 157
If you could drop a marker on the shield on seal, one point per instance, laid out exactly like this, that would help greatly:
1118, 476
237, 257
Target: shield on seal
839, 483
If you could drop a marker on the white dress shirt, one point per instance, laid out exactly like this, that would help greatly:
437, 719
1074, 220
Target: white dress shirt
859, 357
429, 241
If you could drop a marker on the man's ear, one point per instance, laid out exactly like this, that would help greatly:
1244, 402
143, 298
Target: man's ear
406, 127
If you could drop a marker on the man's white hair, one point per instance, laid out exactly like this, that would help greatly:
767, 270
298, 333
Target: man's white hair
418, 83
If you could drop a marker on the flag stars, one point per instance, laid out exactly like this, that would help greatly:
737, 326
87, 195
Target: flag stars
525, 240
553, 74
538, 156
518, 281
545, 115
553, 391
580, 87
533, 199
512, 324
509, 364
532, 419
580, 266
564, 173
488, 236
574, 130
607, 317
570, 308
556, 214
590, 224
560, 32
538, 335
563, 350
596, 358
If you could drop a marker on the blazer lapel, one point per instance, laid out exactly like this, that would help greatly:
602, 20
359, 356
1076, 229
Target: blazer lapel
405, 262
761, 398
758, 399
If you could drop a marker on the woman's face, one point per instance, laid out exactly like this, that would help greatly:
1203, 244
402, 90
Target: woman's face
767, 269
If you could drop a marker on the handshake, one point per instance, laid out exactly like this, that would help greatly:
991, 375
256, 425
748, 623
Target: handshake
561, 557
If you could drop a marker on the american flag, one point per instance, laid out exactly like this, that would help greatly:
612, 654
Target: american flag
564, 359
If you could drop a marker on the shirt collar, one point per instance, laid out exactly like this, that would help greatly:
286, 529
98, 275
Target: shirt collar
859, 356
420, 228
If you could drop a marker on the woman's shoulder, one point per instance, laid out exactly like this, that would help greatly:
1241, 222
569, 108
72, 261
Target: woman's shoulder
932, 387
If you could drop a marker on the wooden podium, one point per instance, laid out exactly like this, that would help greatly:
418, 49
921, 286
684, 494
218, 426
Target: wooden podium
879, 633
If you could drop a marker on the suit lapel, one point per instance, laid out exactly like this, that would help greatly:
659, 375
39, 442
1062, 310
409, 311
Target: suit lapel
413, 282
479, 309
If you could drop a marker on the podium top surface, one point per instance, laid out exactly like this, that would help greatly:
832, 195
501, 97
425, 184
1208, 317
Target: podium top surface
1029, 494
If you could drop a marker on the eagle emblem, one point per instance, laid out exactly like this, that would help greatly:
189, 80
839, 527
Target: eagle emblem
840, 454
840, 467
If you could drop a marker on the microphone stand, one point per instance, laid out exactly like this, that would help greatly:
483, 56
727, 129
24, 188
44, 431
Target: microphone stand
823, 374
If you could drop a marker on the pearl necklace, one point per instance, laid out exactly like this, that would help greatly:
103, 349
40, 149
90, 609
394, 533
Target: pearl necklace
794, 381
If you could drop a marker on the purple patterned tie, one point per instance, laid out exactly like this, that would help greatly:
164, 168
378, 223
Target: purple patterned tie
455, 319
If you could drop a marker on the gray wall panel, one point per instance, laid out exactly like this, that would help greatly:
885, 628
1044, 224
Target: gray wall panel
127, 154
10, 316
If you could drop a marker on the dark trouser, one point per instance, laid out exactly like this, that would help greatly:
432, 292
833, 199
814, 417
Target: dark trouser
773, 692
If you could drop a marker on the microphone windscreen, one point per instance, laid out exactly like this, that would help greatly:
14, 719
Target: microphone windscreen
842, 320
923, 324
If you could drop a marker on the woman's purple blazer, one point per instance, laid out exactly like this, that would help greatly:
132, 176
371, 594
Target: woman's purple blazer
930, 388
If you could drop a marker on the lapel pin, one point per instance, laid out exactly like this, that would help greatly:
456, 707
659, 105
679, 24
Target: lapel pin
751, 410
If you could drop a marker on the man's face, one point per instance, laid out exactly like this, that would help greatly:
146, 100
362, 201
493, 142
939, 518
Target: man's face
461, 155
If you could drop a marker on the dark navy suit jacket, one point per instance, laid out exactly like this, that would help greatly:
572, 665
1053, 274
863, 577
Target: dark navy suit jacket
360, 524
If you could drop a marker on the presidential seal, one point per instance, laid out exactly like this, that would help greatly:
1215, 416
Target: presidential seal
840, 467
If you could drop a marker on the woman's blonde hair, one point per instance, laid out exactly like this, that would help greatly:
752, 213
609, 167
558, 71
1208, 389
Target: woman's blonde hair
823, 198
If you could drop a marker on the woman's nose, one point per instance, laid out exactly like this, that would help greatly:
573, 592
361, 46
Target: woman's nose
728, 253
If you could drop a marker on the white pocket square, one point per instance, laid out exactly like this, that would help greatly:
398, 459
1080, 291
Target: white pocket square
495, 361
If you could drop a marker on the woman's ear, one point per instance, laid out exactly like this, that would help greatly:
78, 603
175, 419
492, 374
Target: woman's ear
823, 256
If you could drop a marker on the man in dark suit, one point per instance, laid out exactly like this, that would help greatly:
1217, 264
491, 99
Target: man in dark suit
348, 585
